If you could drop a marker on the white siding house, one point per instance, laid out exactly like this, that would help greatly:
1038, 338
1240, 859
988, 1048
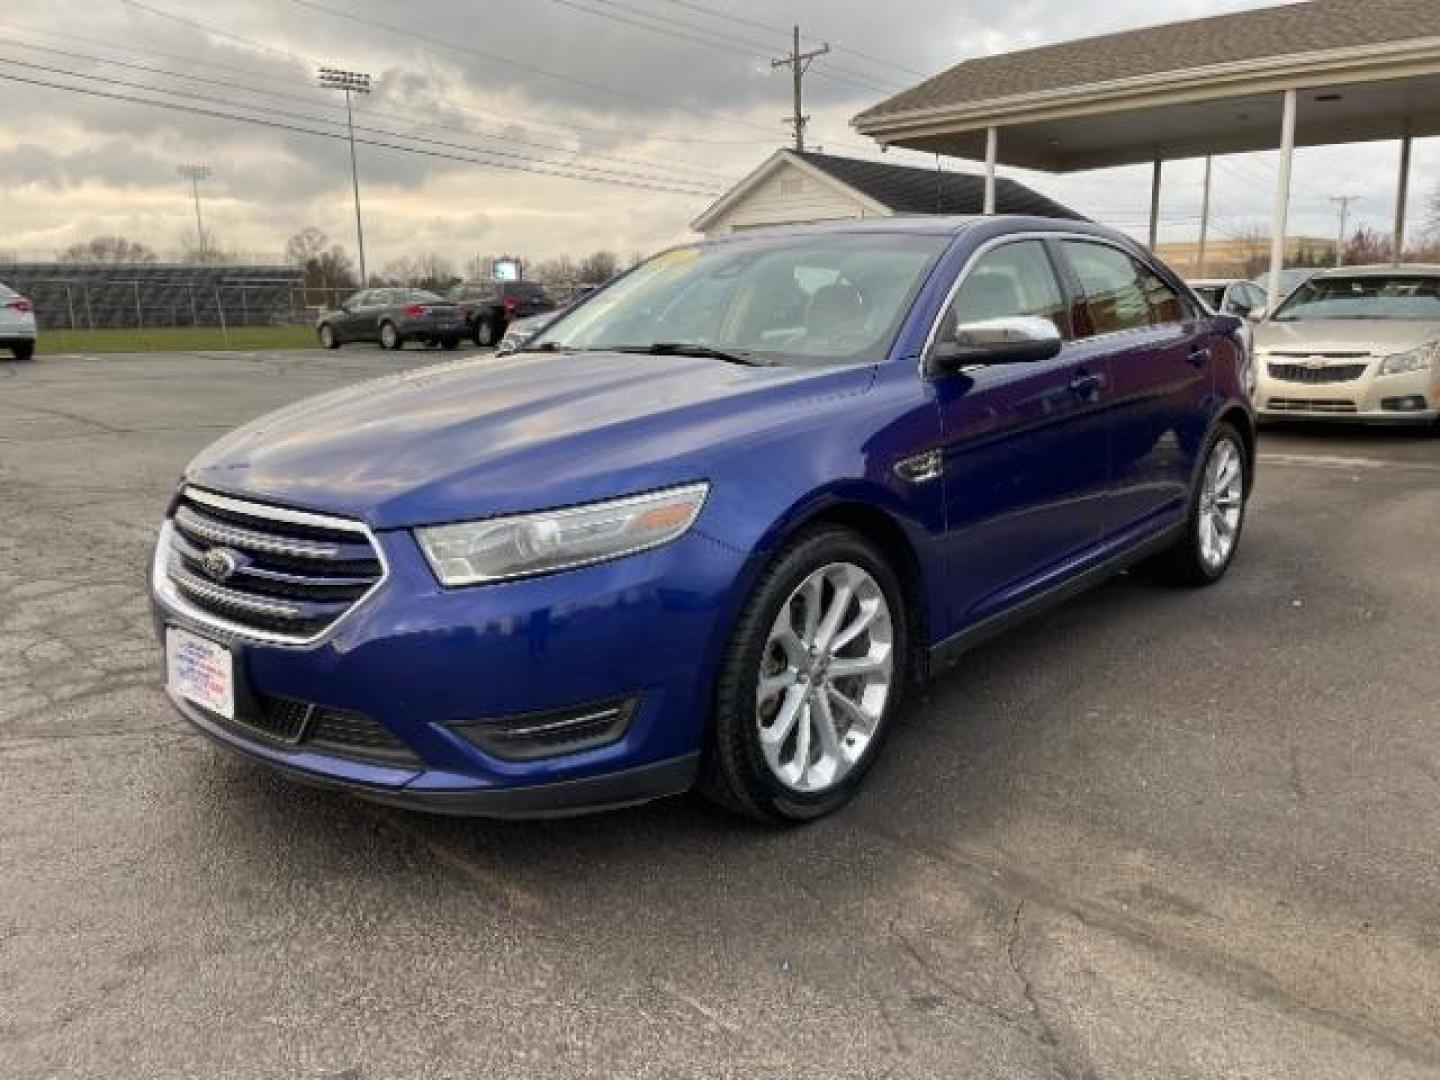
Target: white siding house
794, 188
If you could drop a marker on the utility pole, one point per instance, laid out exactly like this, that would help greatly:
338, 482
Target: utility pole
196, 173
799, 63
358, 83
1343, 201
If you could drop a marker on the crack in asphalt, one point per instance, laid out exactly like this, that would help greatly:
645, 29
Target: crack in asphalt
1190, 957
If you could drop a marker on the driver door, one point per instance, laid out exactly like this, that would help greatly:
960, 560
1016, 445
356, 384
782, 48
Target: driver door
1026, 466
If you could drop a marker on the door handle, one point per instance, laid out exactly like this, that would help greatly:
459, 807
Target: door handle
1199, 354
1084, 384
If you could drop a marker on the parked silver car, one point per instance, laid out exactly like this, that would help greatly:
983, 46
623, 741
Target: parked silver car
17, 323
1354, 343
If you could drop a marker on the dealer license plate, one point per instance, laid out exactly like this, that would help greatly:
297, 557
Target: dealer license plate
200, 671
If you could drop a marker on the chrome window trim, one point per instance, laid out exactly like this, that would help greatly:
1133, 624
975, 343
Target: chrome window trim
166, 591
1012, 238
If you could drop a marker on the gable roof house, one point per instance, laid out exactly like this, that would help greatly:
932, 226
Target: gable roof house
795, 187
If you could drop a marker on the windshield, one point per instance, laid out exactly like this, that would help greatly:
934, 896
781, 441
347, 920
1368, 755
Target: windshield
831, 298
1211, 294
1388, 296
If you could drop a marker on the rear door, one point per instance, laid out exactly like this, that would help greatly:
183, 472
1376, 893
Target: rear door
1025, 468
1155, 348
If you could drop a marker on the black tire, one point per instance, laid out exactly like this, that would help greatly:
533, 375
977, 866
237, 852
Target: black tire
328, 338
390, 337
451, 342
24, 351
1183, 563
734, 772
485, 331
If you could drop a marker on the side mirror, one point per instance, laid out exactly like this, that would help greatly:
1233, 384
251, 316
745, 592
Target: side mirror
1022, 339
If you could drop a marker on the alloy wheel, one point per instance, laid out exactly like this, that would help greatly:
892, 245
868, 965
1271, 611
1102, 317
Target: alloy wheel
826, 673
1222, 501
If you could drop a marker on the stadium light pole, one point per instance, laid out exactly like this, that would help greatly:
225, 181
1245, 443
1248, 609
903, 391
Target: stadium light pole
352, 82
196, 173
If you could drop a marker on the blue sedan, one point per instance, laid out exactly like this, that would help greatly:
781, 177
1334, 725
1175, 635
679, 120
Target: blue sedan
708, 529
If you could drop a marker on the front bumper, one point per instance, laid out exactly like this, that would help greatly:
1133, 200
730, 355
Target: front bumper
422, 661
1409, 398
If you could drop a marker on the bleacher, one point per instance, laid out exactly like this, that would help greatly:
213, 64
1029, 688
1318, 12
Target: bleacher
88, 296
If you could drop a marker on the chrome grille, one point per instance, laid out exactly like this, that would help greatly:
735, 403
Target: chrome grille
1301, 373
266, 571
1310, 405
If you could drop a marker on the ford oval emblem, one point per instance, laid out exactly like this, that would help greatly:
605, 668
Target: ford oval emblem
220, 563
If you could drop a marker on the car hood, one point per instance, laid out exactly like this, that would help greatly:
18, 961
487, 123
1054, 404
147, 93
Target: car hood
1378, 337
487, 436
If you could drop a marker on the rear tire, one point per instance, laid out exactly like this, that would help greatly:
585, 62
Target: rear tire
450, 342
484, 332
754, 762
24, 351
328, 338
390, 338
1216, 519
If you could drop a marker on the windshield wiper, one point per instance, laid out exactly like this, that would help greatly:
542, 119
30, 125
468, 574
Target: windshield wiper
687, 348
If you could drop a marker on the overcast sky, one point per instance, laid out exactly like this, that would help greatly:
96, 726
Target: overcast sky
663, 95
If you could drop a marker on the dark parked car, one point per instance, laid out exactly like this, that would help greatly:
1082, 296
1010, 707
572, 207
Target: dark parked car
392, 317
712, 530
490, 307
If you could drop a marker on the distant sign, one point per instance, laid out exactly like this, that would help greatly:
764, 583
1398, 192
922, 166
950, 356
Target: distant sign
506, 270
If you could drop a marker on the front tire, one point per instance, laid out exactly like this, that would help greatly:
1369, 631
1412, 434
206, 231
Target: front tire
1217, 514
390, 337
811, 681
328, 338
484, 331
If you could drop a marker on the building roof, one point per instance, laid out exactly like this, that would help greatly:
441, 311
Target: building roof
912, 189
898, 189
1293, 29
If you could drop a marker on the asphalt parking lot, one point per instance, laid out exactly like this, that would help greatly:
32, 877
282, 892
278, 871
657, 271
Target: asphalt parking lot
1156, 834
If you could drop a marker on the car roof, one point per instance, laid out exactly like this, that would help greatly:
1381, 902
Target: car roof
924, 225
1385, 270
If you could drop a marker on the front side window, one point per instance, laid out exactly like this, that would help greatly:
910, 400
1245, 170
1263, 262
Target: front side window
828, 298
1165, 303
1011, 281
1396, 297
1115, 297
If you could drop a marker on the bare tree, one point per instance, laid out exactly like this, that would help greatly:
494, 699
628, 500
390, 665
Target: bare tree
1366, 247
598, 268
325, 265
108, 250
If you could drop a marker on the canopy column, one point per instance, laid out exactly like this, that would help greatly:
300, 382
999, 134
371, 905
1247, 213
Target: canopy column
1282, 199
1402, 196
992, 152
1155, 203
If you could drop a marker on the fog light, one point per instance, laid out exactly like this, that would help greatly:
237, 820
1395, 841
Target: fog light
1410, 403
532, 736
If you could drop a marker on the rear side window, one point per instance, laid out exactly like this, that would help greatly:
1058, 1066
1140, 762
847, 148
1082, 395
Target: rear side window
5, 290
1013, 280
1115, 296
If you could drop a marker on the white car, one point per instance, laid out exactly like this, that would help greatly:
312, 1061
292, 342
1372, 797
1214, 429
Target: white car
17, 323
1354, 343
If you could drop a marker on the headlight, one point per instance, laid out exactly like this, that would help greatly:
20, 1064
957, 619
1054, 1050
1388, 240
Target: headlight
1415, 360
508, 547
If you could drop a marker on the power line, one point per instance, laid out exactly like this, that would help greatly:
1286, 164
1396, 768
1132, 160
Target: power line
690, 31
378, 113
469, 157
771, 28
471, 53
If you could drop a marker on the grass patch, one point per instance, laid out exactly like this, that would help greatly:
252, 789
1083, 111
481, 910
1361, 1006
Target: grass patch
176, 339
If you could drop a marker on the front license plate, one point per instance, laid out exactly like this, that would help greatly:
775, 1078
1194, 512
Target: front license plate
200, 671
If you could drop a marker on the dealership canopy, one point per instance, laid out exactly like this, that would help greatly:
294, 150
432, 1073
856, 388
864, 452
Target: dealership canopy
1318, 73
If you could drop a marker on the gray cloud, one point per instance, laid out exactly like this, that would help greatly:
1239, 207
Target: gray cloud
521, 78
